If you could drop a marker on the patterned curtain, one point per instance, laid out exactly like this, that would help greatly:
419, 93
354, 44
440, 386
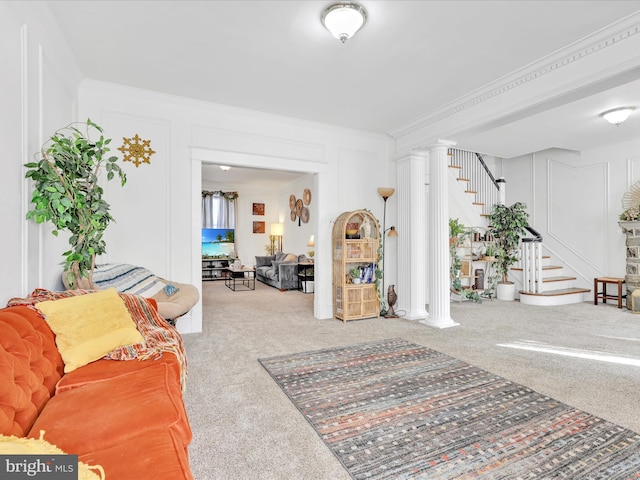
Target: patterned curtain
219, 209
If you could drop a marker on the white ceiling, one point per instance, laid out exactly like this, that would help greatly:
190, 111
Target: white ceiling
409, 59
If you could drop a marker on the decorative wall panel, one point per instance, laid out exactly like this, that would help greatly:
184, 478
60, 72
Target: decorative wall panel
575, 190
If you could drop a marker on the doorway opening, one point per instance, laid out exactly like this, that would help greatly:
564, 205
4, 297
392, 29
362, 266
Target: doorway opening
263, 170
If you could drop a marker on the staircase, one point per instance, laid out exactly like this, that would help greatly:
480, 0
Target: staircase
543, 283
554, 289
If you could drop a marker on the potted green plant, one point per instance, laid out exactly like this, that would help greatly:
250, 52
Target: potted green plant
456, 229
489, 253
507, 226
355, 274
67, 193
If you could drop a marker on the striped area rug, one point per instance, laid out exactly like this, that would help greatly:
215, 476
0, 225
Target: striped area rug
395, 410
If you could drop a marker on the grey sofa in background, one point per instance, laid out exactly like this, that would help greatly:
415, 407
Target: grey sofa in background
279, 270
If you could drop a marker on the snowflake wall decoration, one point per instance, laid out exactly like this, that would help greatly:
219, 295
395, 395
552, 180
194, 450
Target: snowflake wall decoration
136, 152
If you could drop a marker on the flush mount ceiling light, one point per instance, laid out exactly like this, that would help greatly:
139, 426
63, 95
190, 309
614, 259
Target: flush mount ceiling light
617, 115
344, 19
225, 168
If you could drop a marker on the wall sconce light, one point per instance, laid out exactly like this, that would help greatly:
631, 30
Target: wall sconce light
277, 230
617, 116
344, 19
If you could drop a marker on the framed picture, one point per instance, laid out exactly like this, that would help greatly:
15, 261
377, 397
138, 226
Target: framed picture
258, 227
258, 208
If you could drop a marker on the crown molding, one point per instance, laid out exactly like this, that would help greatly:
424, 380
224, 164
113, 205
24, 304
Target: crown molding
627, 28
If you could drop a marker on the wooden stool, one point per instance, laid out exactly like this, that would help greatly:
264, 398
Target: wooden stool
603, 294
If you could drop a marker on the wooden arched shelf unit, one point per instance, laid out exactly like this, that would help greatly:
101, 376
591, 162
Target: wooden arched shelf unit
351, 250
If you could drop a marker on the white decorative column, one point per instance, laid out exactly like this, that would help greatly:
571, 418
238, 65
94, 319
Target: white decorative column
438, 237
412, 273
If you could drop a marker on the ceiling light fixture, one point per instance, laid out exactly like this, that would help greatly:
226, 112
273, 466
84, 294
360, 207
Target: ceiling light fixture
226, 168
617, 115
344, 19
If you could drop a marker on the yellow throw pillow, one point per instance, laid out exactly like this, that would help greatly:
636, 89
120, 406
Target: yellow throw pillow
87, 327
32, 446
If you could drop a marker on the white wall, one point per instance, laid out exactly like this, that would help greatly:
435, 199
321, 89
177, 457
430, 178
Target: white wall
574, 200
39, 81
158, 212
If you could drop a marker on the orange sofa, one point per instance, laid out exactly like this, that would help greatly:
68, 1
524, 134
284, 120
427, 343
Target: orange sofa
124, 412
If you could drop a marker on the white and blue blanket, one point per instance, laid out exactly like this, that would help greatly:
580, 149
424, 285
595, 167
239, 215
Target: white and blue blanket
128, 279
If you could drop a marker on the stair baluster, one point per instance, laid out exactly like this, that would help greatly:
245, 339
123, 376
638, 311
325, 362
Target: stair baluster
531, 260
481, 180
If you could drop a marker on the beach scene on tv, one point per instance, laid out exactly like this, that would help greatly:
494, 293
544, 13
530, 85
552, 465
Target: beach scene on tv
217, 242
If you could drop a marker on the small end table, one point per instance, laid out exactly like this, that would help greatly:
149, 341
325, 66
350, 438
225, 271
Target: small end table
240, 278
305, 276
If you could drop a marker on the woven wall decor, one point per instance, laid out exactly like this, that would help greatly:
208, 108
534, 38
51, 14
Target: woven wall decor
299, 211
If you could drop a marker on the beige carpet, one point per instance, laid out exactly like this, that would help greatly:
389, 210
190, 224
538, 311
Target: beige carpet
245, 428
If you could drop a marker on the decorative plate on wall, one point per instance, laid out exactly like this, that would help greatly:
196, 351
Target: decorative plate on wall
292, 202
299, 206
306, 196
294, 215
632, 197
304, 215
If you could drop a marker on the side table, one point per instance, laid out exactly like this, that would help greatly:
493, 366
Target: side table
305, 277
602, 282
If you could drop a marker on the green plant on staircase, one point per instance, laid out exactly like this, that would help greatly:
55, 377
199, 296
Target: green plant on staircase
67, 193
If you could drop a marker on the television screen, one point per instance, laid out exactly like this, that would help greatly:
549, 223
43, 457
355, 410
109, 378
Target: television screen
217, 242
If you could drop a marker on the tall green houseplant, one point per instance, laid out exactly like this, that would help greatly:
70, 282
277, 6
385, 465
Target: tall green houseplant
507, 226
67, 193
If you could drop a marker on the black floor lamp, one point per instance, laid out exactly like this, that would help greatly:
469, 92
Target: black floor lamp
385, 193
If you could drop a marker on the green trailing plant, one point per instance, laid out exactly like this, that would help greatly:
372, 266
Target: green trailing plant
456, 283
507, 226
67, 193
490, 290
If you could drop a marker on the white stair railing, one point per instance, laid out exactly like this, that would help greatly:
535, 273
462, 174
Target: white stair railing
531, 262
481, 180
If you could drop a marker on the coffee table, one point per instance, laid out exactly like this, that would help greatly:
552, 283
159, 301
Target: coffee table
240, 278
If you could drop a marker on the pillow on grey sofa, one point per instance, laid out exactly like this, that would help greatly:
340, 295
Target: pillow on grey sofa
276, 270
280, 256
262, 261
